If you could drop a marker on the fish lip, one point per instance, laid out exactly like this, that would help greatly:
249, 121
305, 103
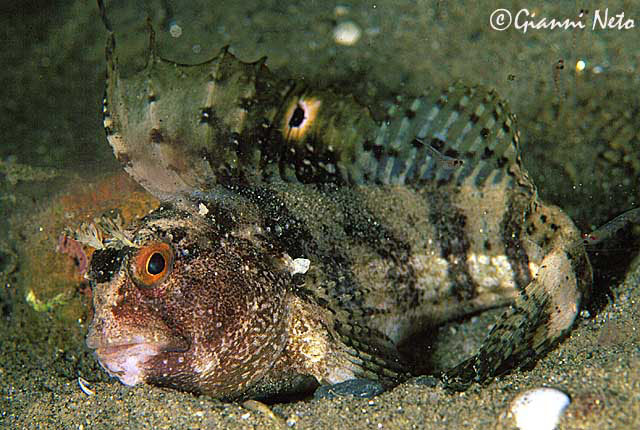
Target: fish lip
127, 360
109, 349
101, 347
96, 340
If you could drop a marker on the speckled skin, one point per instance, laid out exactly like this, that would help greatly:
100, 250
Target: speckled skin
398, 241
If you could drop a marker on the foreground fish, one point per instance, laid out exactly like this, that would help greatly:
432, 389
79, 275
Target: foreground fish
300, 241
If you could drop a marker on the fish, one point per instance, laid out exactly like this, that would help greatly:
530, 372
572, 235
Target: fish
300, 240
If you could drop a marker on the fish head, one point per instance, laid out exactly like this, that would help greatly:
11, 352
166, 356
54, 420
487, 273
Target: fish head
187, 303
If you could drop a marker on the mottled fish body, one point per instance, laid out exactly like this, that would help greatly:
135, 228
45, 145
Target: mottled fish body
303, 240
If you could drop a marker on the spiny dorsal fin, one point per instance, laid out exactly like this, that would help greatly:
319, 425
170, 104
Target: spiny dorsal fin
464, 123
180, 129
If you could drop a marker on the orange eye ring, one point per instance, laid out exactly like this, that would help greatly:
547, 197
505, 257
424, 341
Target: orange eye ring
152, 264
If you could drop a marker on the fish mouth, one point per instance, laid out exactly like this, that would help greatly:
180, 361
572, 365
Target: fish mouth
125, 361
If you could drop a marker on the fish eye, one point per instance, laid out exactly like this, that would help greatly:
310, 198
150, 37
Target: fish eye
156, 264
152, 263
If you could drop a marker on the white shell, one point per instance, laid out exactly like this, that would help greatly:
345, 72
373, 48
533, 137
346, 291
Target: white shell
85, 387
347, 33
175, 30
300, 265
539, 408
202, 209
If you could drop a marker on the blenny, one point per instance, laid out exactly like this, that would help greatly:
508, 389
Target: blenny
300, 241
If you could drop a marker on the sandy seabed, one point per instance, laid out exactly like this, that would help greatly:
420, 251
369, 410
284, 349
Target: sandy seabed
579, 144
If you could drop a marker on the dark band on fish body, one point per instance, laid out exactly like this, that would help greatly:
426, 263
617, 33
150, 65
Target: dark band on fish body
364, 227
512, 237
279, 223
291, 234
449, 223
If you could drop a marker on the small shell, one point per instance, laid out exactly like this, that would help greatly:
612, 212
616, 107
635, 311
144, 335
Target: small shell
84, 386
300, 265
539, 408
175, 30
347, 33
256, 406
202, 209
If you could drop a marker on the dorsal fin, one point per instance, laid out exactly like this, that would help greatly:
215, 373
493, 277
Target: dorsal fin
464, 123
180, 129
321, 136
183, 128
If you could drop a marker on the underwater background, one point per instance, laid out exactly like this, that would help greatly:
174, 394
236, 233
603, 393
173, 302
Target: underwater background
574, 91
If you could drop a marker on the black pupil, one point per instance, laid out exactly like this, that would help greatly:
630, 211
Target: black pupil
297, 117
156, 264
